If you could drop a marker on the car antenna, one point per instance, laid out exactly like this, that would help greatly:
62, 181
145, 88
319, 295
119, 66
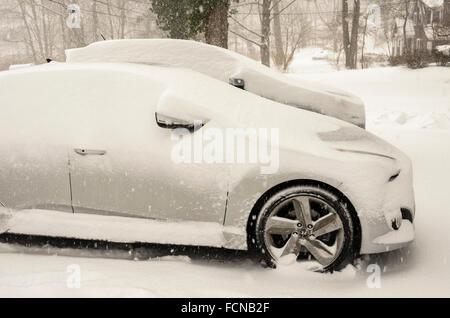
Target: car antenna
104, 39
48, 60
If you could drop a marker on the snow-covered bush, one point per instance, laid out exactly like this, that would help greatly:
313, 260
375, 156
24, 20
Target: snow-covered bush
396, 60
417, 60
374, 59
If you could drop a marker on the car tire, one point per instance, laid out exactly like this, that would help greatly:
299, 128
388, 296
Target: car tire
267, 231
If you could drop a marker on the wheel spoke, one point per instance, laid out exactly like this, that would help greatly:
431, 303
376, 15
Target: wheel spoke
327, 224
281, 226
292, 246
302, 210
321, 252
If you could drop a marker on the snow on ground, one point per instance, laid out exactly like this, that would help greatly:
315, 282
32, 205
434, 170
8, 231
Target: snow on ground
303, 63
409, 108
396, 96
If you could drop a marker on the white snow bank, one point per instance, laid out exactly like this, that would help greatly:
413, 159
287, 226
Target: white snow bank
415, 120
20, 66
302, 62
397, 96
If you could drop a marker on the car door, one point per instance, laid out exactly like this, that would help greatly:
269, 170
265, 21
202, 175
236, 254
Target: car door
34, 142
121, 164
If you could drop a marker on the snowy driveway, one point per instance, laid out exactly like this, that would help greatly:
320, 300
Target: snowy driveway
410, 109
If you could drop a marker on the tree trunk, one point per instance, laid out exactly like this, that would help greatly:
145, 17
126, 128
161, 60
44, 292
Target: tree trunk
111, 26
355, 29
350, 41
265, 32
405, 24
63, 35
30, 37
216, 32
123, 20
346, 36
94, 21
364, 41
280, 56
45, 36
37, 32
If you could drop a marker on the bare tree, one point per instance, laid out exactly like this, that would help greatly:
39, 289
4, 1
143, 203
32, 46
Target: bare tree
328, 12
42, 24
293, 31
366, 19
265, 9
389, 11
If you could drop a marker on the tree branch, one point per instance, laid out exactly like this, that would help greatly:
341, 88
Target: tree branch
287, 6
245, 28
245, 38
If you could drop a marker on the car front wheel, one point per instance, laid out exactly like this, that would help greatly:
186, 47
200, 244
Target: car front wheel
303, 220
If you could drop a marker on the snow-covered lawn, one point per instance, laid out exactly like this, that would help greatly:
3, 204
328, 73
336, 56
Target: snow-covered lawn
410, 109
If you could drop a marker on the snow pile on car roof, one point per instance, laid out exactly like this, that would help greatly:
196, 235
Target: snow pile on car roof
223, 65
210, 60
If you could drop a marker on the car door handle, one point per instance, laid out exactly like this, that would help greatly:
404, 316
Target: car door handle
89, 152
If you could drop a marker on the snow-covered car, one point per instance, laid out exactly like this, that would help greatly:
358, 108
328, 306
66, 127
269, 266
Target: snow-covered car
87, 151
229, 67
321, 55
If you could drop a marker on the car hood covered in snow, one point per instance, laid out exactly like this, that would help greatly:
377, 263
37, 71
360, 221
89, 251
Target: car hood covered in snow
225, 65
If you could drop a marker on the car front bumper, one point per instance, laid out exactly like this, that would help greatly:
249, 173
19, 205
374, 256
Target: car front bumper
392, 226
400, 237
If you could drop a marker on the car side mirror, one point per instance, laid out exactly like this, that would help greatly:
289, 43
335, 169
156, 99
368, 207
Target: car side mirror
237, 82
174, 112
168, 122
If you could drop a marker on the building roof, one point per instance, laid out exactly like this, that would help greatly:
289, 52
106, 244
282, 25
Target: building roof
433, 3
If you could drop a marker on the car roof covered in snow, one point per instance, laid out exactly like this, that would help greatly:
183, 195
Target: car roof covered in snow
224, 65
210, 60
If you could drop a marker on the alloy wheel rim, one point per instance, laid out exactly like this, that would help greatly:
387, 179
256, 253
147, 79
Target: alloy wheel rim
304, 222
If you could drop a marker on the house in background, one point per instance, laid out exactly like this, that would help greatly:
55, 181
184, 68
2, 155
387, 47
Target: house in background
400, 29
427, 26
